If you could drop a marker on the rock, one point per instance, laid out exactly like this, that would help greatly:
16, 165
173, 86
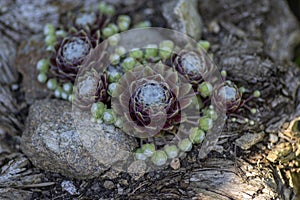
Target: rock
182, 15
137, 169
19, 18
69, 187
123, 2
282, 34
109, 185
273, 138
53, 142
249, 139
261, 20
104, 142
175, 163
120, 189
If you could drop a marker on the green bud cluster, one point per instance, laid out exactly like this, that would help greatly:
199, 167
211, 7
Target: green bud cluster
136, 53
185, 145
151, 51
143, 24
106, 9
98, 110
205, 89
158, 157
203, 44
165, 49
196, 135
123, 22
205, 123
115, 39
50, 36
128, 64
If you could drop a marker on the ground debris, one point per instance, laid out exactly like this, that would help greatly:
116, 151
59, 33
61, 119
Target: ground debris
18, 173
249, 139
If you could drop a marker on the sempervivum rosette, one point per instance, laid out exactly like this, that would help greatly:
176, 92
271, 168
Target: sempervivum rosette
228, 94
91, 87
230, 99
193, 65
69, 55
145, 95
91, 22
151, 99
69, 44
92, 81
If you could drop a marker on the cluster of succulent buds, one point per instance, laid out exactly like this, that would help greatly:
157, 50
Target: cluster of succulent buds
148, 101
158, 92
148, 91
70, 43
161, 155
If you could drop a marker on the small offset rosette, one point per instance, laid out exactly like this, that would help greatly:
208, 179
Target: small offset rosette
92, 82
194, 64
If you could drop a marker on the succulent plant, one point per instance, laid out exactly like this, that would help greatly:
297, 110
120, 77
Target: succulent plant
69, 55
193, 65
229, 98
98, 109
143, 91
197, 135
151, 100
92, 86
185, 145
71, 42
172, 151
228, 94
159, 158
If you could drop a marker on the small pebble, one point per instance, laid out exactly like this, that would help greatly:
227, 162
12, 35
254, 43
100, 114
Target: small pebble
109, 185
120, 189
175, 163
214, 27
273, 138
137, 169
69, 187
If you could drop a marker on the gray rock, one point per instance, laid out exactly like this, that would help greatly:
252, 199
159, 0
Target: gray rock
137, 169
109, 185
69, 187
282, 34
53, 141
182, 15
22, 18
